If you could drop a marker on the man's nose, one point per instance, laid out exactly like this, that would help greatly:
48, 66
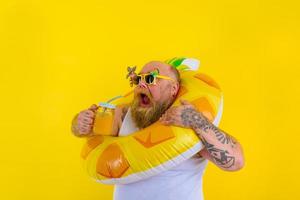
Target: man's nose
142, 84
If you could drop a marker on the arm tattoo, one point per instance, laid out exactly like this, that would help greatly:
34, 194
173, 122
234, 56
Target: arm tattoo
220, 157
190, 117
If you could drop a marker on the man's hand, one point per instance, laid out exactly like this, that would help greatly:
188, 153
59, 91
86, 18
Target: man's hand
82, 124
176, 115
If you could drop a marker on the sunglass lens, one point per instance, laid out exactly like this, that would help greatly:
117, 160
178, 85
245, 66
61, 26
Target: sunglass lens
149, 79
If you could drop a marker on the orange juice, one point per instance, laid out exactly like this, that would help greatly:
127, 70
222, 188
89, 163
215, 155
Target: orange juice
103, 121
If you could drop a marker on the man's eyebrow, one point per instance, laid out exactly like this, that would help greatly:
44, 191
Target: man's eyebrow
150, 71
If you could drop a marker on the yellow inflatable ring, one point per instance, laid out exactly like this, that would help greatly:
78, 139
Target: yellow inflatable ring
157, 148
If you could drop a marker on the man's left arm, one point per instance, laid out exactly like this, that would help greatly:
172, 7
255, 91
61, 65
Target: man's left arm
220, 148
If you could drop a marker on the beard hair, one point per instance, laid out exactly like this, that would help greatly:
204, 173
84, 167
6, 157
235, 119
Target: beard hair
144, 117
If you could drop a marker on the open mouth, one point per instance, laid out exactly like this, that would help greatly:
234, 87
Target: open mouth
144, 100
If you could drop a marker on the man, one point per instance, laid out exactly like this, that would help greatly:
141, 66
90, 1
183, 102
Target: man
152, 100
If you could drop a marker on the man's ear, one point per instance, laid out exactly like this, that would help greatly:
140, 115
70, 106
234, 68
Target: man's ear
174, 89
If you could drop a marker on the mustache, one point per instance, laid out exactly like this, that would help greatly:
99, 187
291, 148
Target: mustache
146, 92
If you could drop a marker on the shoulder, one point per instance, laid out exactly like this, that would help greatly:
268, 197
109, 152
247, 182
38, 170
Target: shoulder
121, 111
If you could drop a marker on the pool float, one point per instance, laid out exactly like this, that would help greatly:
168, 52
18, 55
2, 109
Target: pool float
156, 148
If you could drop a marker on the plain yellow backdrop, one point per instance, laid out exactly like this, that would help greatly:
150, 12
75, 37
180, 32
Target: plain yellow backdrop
58, 57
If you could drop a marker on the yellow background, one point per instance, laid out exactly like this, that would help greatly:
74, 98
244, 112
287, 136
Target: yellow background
59, 56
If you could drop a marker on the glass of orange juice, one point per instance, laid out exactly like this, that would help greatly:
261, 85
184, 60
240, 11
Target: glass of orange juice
103, 121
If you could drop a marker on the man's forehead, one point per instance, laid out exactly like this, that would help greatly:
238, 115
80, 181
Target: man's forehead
151, 66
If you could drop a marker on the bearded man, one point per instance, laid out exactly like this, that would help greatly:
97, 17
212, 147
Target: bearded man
153, 97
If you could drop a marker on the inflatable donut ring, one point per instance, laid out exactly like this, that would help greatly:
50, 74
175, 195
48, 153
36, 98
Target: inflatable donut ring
157, 148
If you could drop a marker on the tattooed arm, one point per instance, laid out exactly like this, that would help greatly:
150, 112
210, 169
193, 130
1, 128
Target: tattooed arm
220, 148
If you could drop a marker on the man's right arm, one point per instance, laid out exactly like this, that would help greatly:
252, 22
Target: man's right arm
119, 115
82, 123
74, 126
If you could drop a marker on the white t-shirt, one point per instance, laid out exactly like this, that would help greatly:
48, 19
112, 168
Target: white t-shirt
183, 182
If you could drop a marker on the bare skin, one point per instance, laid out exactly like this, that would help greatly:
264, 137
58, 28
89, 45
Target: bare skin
220, 148
82, 124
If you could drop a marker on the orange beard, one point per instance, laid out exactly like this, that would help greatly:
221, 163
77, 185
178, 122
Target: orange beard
145, 116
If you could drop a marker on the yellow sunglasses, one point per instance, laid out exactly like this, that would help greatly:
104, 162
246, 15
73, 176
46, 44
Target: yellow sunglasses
150, 78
